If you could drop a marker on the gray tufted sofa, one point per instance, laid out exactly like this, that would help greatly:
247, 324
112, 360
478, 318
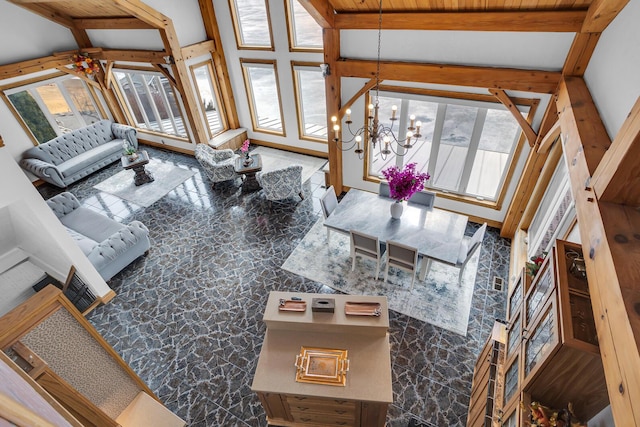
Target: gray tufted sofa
74, 155
109, 245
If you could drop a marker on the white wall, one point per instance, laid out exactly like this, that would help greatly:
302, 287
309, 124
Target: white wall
613, 74
25, 35
38, 231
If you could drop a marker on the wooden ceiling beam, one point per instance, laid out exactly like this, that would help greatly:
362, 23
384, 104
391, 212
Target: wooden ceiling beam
143, 12
458, 75
580, 54
528, 131
538, 21
321, 11
24, 68
148, 56
112, 24
600, 14
198, 49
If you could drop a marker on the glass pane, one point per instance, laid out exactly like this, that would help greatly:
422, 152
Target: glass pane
536, 297
312, 102
456, 134
146, 102
378, 164
253, 23
425, 113
499, 137
511, 381
583, 325
512, 421
539, 343
207, 93
32, 115
152, 102
516, 298
263, 92
58, 107
82, 100
306, 31
513, 336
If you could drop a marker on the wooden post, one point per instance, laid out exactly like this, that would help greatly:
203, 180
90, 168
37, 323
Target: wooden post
609, 234
332, 88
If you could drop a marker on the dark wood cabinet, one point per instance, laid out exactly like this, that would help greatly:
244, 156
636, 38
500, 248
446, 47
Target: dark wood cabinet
551, 352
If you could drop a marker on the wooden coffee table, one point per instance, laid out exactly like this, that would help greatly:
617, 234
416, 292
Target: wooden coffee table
142, 176
249, 171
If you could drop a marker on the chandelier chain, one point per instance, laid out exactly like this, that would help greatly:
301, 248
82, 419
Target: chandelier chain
379, 43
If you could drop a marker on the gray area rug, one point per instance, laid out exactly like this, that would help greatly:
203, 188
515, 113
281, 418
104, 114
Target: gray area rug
275, 159
167, 177
437, 300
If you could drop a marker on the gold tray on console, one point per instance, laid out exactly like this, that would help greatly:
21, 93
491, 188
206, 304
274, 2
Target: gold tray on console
353, 308
291, 305
322, 366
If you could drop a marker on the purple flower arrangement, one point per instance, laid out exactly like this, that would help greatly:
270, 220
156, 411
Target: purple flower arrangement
404, 183
245, 147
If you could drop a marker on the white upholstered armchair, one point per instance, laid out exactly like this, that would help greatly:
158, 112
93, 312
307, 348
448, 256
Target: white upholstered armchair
217, 164
281, 183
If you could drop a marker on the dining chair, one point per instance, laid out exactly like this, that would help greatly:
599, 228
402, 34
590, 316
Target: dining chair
468, 247
328, 203
366, 246
383, 189
425, 198
403, 257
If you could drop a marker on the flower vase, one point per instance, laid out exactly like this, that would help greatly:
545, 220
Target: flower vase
396, 209
247, 159
132, 157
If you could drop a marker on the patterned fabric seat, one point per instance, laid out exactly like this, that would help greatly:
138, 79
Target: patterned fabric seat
217, 164
281, 184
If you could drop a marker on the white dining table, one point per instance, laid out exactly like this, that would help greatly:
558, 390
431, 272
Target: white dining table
435, 232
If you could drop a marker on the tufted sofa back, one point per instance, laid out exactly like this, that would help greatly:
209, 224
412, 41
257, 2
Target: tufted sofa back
69, 145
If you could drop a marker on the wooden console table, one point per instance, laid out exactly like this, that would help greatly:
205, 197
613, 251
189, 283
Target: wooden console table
364, 399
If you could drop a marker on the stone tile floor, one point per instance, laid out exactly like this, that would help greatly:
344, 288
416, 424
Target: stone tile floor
187, 317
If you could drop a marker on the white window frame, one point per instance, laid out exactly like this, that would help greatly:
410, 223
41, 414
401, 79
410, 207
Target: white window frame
237, 28
255, 120
215, 91
173, 120
482, 106
302, 125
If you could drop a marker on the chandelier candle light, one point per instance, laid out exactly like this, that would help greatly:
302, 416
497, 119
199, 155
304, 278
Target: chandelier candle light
376, 132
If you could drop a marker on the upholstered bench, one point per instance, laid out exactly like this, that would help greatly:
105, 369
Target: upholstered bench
109, 245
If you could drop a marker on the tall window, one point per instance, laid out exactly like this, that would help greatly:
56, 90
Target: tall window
251, 24
151, 101
204, 77
467, 146
310, 101
304, 32
261, 84
52, 108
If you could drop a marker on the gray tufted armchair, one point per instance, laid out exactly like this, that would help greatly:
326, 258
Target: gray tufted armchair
109, 245
217, 164
281, 183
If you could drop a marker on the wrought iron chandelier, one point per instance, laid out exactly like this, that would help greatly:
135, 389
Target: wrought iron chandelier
377, 133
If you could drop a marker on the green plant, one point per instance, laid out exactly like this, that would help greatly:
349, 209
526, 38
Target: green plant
534, 265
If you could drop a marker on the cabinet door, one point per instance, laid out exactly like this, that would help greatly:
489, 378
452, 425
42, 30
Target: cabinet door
514, 336
541, 341
512, 379
542, 287
516, 294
